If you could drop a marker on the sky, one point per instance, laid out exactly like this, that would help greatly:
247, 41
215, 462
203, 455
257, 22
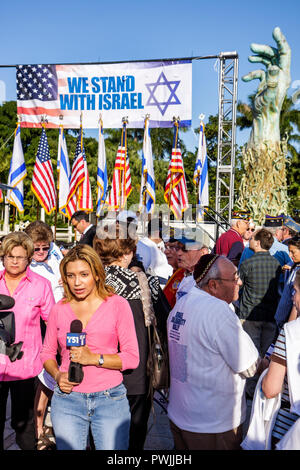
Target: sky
35, 32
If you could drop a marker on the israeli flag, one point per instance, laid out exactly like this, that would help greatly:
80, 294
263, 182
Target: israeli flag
147, 195
102, 181
201, 173
17, 172
63, 171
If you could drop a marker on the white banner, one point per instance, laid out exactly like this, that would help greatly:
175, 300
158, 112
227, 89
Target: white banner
63, 94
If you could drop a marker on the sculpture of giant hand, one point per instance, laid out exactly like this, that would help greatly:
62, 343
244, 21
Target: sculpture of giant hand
274, 82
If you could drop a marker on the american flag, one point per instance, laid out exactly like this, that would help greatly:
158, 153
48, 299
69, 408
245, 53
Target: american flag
121, 183
175, 188
38, 90
43, 185
80, 194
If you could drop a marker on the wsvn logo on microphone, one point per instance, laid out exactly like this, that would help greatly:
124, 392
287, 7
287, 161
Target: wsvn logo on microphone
76, 339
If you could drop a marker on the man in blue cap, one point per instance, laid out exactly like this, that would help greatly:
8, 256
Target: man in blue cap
189, 252
290, 228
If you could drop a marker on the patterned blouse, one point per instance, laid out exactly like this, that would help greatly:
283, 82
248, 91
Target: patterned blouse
125, 283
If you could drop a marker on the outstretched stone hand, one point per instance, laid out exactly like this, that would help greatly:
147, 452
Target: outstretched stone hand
274, 82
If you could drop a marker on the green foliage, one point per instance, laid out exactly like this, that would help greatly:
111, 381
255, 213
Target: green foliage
162, 142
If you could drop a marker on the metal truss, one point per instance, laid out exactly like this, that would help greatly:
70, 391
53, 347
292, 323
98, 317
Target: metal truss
228, 77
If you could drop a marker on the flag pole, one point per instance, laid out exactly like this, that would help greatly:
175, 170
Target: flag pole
61, 127
199, 216
145, 173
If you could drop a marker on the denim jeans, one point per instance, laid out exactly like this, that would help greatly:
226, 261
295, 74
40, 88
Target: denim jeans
106, 413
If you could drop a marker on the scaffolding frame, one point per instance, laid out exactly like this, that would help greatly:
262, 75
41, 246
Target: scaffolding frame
228, 80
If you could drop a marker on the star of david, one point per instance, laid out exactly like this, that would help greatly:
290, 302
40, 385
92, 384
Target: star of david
171, 85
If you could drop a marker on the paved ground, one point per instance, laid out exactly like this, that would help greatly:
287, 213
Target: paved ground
159, 435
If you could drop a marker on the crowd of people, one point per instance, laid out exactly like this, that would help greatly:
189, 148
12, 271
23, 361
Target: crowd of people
227, 316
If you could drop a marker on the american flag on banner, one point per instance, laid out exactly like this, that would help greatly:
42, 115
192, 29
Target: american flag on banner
121, 183
102, 181
80, 194
38, 89
175, 189
42, 184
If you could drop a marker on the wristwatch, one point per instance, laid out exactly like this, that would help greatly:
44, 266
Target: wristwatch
101, 360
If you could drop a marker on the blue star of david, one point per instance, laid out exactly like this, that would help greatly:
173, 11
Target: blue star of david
173, 98
177, 321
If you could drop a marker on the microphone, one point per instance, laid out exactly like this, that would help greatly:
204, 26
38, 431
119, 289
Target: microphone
75, 338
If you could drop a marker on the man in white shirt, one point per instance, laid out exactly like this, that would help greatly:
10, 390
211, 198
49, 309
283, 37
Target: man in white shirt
150, 251
210, 357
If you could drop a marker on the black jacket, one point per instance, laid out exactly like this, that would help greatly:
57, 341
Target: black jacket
88, 237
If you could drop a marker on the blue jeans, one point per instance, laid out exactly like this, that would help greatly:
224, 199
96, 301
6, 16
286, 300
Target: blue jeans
106, 412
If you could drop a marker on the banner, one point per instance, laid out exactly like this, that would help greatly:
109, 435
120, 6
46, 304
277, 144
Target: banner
62, 94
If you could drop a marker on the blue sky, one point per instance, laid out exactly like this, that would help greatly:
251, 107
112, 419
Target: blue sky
95, 30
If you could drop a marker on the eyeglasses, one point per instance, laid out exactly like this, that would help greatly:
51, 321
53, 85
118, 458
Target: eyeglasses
235, 280
43, 248
17, 258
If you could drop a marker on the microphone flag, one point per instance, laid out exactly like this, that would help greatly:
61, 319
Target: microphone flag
75, 338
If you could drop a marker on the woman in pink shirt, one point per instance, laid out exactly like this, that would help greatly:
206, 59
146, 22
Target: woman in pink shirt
33, 300
98, 401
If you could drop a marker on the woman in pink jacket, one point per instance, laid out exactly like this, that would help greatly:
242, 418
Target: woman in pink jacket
97, 403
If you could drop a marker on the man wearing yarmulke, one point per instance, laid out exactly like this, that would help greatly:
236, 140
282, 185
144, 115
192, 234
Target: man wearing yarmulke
210, 358
231, 243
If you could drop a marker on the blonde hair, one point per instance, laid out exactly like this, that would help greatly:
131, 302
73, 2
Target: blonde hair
14, 239
89, 255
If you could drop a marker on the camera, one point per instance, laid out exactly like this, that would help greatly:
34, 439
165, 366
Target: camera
7, 330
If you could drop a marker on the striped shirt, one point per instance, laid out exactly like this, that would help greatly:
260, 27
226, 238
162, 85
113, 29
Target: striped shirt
285, 419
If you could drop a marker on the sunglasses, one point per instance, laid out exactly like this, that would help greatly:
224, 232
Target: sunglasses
250, 229
43, 248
